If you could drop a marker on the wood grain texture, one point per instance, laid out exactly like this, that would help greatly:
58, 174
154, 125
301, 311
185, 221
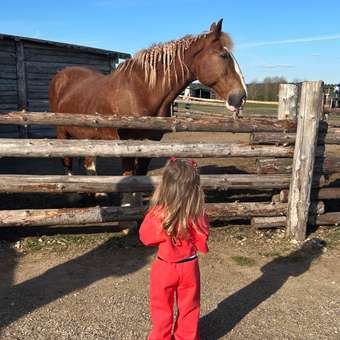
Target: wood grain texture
310, 110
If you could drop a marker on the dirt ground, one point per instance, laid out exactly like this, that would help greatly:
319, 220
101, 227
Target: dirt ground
255, 285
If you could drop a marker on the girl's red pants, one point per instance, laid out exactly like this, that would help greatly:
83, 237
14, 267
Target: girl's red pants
167, 281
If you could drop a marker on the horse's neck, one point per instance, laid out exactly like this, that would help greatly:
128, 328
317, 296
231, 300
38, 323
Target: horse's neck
169, 83
171, 89
183, 73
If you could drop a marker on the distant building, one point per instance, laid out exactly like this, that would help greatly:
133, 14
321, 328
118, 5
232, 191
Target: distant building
198, 90
332, 96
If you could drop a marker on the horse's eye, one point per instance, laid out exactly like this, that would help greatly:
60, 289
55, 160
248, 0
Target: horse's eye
225, 55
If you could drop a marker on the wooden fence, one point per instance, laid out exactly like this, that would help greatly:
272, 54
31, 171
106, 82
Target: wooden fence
290, 146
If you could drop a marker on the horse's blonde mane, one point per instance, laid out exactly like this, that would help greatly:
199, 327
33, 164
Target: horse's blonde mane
167, 54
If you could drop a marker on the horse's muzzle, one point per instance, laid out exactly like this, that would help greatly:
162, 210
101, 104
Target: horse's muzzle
237, 100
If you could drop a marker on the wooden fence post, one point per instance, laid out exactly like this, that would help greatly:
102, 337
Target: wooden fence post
310, 111
288, 100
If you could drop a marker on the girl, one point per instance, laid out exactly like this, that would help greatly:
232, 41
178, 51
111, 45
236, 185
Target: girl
176, 223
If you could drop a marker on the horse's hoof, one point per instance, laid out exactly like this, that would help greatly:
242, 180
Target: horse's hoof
100, 195
91, 172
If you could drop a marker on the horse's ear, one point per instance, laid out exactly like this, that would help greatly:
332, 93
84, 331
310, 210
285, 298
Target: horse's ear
216, 27
213, 27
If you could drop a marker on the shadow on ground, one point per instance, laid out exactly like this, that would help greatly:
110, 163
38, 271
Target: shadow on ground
114, 257
234, 308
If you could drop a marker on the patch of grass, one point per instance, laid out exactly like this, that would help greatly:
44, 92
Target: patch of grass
263, 109
61, 242
244, 261
333, 239
273, 253
32, 244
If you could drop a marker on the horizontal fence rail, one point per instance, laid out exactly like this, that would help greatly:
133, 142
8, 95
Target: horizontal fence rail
222, 102
277, 138
128, 148
72, 216
54, 183
329, 218
225, 124
327, 165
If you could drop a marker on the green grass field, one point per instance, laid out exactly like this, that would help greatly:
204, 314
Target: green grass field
269, 110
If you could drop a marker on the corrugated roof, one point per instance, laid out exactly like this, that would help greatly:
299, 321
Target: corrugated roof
120, 55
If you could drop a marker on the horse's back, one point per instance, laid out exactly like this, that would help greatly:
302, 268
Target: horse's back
68, 84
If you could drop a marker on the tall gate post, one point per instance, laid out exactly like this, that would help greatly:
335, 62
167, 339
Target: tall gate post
288, 101
310, 111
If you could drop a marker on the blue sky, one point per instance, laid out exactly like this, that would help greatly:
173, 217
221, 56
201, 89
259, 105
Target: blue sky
294, 39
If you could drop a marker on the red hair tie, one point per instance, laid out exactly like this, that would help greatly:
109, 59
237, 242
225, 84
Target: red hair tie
192, 163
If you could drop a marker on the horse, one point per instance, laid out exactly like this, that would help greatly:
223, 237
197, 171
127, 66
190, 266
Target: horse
146, 85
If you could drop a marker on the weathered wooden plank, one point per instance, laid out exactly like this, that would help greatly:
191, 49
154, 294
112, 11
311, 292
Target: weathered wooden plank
288, 101
35, 88
268, 222
277, 138
45, 217
7, 75
55, 46
34, 51
40, 95
6, 44
154, 123
69, 59
21, 80
8, 68
42, 67
8, 128
38, 104
8, 93
8, 107
43, 83
60, 184
331, 110
39, 132
7, 88
8, 82
5, 53
102, 148
32, 76
310, 110
8, 99
7, 60
322, 194
326, 165
281, 221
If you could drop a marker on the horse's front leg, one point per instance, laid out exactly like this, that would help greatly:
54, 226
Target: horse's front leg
128, 198
142, 166
90, 166
128, 167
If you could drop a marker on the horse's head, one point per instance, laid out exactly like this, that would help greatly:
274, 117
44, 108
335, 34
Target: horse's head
216, 67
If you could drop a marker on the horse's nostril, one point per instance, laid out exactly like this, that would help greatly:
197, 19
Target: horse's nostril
237, 100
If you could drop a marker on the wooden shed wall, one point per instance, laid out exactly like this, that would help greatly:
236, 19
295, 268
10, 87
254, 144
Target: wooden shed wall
26, 68
8, 83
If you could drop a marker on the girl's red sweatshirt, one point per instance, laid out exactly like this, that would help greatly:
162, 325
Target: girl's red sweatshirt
151, 233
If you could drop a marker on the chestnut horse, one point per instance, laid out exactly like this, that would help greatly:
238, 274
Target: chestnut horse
146, 85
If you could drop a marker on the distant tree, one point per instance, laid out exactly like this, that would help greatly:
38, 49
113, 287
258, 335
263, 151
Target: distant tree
266, 90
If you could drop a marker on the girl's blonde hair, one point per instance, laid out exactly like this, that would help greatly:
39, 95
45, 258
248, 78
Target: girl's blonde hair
180, 197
